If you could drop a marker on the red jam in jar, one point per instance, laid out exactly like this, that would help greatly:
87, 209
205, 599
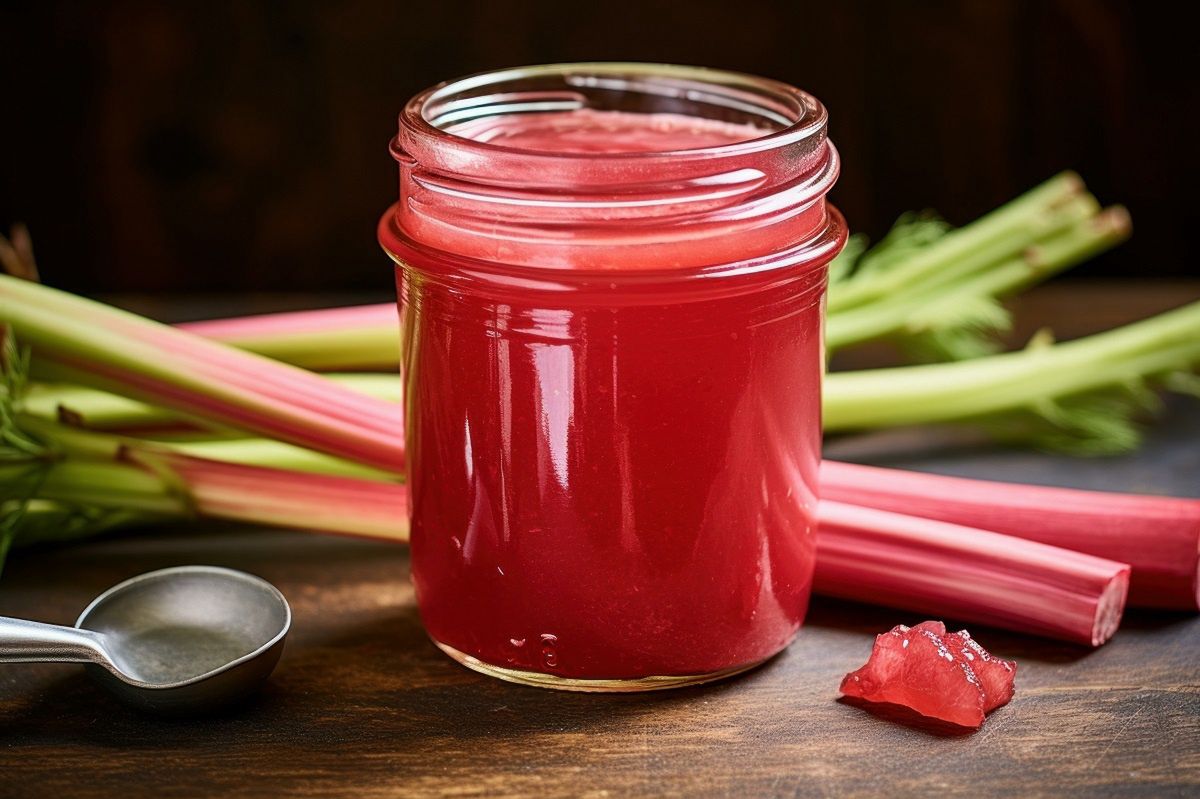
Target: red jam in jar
611, 282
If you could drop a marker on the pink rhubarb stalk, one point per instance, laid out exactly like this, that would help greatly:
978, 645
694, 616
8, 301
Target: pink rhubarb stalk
99, 470
163, 485
88, 342
335, 339
283, 498
1158, 536
965, 573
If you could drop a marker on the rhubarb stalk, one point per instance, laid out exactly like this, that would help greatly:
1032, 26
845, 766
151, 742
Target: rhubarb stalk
78, 340
1158, 536
170, 486
965, 573
1040, 375
89, 471
947, 302
1013, 224
363, 337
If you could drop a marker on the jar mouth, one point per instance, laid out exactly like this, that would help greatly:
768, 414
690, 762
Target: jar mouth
561, 208
787, 116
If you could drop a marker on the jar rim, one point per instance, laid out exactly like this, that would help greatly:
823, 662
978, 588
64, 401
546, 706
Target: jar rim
807, 119
569, 210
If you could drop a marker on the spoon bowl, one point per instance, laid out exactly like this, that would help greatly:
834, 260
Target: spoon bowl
189, 636
175, 640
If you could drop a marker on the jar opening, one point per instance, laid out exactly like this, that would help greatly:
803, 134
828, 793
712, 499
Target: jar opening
587, 131
612, 166
752, 108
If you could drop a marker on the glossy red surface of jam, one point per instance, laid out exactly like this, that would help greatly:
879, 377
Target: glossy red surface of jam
611, 478
590, 131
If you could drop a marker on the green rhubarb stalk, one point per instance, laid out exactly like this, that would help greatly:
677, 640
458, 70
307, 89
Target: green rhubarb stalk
93, 408
48, 522
74, 442
280, 455
92, 481
104, 347
1013, 221
354, 338
175, 487
1053, 222
951, 302
114, 485
20, 476
1038, 378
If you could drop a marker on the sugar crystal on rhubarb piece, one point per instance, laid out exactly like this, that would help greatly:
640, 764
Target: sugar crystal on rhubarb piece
996, 675
943, 676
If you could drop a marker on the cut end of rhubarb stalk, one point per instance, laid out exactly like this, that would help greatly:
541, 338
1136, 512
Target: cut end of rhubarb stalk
1196, 578
1114, 220
1110, 607
1071, 181
16, 255
1195, 560
944, 676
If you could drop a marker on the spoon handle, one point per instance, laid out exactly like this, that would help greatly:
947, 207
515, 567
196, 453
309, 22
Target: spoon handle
24, 641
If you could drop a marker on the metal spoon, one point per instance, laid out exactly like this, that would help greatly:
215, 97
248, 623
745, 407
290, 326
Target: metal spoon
174, 640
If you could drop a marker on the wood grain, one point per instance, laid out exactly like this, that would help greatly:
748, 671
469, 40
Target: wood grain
362, 705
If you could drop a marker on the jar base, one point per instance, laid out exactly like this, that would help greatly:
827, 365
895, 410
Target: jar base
538, 679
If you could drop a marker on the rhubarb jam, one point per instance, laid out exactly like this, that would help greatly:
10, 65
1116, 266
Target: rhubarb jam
611, 282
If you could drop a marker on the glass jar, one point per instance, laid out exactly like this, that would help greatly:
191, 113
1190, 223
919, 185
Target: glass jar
611, 282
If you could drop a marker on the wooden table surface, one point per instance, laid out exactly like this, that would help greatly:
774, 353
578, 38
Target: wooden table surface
362, 705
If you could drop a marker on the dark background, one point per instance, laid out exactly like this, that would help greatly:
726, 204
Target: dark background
223, 146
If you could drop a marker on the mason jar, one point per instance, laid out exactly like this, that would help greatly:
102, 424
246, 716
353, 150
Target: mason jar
611, 281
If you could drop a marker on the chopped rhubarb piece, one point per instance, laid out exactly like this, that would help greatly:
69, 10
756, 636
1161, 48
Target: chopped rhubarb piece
939, 675
996, 675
